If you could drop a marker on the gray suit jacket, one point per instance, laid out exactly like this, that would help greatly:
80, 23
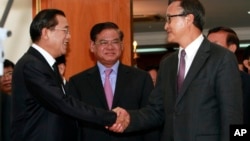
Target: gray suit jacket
209, 101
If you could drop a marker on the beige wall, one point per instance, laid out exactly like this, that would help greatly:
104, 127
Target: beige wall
17, 22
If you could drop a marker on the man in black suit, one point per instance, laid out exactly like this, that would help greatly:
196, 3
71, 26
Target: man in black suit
42, 109
227, 37
130, 86
209, 99
5, 102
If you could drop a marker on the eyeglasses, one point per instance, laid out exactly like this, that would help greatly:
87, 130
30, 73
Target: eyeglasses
168, 17
105, 43
7, 75
66, 30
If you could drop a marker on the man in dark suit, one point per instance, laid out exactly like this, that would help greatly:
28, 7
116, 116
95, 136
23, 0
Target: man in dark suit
227, 38
130, 86
5, 102
208, 101
42, 109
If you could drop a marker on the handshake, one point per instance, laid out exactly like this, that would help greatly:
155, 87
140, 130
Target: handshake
122, 120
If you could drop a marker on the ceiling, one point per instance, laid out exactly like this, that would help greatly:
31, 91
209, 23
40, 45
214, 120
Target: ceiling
149, 18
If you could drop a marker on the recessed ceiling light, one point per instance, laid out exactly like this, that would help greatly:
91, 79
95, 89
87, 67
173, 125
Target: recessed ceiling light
248, 12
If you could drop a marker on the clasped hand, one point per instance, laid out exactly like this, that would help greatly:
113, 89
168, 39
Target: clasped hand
122, 120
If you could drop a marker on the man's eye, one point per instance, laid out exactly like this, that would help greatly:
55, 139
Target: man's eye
115, 42
103, 43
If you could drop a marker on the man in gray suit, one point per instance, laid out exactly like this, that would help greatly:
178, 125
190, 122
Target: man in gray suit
208, 101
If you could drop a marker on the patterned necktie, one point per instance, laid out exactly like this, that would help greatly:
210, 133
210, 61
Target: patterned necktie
108, 88
181, 72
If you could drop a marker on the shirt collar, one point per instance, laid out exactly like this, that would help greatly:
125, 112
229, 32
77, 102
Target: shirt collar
114, 67
193, 47
45, 54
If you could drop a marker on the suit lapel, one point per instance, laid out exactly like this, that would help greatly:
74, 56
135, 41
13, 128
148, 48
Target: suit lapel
199, 60
174, 70
39, 56
95, 81
121, 80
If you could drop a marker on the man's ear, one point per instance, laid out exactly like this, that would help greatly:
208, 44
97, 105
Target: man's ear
45, 33
190, 18
232, 48
92, 46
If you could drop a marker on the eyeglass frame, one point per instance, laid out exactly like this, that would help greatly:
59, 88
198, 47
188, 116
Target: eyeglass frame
7, 74
168, 17
66, 30
106, 43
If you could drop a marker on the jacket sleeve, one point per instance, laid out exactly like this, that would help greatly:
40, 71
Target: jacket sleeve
42, 84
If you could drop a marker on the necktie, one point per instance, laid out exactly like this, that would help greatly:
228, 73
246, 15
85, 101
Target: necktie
108, 88
181, 72
58, 76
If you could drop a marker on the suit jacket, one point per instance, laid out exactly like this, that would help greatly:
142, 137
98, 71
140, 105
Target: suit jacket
132, 89
245, 77
209, 101
5, 121
41, 111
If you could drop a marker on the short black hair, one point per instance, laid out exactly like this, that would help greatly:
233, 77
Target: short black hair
8, 63
232, 37
195, 8
99, 27
44, 19
246, 53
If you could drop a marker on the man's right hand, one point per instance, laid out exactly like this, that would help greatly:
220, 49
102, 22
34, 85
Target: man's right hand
122, 121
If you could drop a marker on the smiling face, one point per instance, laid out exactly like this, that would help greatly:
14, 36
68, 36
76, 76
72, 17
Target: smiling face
5, 80
55, 41
108, 47
176, 24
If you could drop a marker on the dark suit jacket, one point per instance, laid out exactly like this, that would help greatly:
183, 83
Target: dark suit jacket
5, 117
41, 112
245, 77
209, 101
132, 89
